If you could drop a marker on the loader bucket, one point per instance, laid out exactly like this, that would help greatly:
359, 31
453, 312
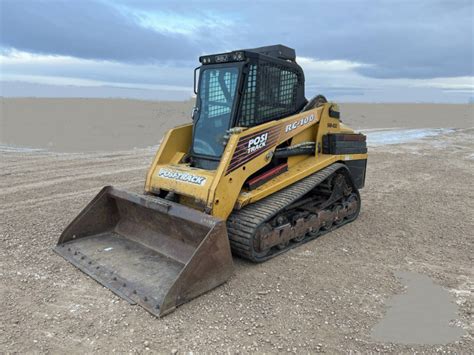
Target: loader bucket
148, 250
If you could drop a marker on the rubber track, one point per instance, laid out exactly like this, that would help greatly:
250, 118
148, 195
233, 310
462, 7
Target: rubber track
243, 224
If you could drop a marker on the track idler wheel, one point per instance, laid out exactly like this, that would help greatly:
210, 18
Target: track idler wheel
353, 206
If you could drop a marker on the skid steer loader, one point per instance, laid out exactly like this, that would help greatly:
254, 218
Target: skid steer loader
259, 170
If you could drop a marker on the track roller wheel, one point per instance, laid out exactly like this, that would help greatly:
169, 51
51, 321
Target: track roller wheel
263, 230
337, 212
282, 246
327, 225
298, 238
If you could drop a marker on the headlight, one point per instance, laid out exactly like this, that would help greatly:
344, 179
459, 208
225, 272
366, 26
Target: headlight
238, 56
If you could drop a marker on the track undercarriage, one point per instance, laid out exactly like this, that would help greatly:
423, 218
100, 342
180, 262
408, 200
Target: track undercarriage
301, 212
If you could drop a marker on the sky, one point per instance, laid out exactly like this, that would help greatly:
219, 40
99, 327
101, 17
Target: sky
352, 51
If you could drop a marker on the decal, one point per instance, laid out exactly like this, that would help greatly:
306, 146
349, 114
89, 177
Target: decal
257, 143
332, 125
182, 176
301, 122
252, 145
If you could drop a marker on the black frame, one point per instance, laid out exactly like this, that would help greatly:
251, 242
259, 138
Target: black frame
250, 58
235, 106
260, 59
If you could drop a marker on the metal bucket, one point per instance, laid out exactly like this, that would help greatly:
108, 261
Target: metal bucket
148, 250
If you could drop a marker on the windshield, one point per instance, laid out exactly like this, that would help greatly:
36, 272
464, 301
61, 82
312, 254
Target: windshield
217, 90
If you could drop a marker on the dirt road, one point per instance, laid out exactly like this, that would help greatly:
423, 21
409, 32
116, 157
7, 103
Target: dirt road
417, 215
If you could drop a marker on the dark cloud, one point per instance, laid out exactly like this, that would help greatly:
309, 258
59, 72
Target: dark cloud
400, 39
86, 29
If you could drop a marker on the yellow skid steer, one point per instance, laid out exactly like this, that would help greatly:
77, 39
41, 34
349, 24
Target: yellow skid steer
260, 170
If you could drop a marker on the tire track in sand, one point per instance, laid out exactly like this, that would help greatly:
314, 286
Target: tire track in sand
38, 202
42, 167
42, 184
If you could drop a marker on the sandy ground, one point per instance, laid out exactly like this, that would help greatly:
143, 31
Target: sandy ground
88, 125
325, 296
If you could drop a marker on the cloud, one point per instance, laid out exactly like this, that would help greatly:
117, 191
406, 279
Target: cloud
457, 83
337, 65
337, 79
169, 22
341, 80
87, 29
357, 48
54, 69
416, 39
26, 89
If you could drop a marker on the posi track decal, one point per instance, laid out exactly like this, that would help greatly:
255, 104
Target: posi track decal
256, 143
252, 145
182, 176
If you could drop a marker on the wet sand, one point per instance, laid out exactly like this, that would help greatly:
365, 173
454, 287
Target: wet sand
420, 315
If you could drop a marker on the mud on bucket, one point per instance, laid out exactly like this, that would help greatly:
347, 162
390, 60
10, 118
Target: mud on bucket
148, 250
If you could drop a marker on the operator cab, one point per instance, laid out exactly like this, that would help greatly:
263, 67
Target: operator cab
242, 88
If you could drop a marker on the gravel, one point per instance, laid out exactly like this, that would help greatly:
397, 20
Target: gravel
325, 296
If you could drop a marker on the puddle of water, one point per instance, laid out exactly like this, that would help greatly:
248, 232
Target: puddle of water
396, 136
420, 315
